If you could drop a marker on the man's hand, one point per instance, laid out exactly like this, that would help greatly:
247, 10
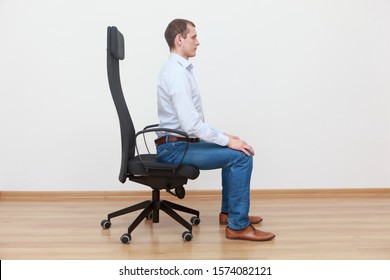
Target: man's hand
236, 143
232, 136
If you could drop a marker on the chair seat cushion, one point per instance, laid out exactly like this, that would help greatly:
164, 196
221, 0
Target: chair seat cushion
151, 167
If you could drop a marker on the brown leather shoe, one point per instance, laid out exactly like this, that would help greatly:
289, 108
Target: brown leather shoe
249, 233
223, 219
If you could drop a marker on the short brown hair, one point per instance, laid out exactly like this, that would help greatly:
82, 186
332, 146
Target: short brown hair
176, 26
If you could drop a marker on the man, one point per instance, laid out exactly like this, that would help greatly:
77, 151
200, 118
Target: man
180, 108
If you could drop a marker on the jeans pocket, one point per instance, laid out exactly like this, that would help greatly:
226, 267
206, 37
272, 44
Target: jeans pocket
170, 152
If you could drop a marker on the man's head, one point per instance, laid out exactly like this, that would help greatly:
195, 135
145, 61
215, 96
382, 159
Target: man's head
181, 37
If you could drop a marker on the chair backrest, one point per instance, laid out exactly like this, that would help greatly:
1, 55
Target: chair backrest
116, 52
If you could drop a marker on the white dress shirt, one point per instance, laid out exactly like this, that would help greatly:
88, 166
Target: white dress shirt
180, 104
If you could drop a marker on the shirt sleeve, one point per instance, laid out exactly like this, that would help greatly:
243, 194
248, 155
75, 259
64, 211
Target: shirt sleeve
190, 119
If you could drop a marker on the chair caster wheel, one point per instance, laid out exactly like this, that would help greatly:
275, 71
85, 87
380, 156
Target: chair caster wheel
187, 236
126, 238
106, 224
195, 220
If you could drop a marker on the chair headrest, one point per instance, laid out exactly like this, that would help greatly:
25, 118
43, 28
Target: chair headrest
117, 44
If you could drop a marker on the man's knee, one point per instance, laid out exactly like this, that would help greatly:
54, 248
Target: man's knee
244, 159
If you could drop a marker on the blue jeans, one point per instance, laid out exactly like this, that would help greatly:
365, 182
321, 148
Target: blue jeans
236, 174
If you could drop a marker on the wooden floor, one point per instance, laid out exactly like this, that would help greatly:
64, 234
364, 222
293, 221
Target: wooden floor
323, 228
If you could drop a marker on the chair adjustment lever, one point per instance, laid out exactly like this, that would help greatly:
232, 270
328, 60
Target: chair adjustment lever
180, 192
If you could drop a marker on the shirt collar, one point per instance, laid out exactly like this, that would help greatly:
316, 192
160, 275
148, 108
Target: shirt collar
181, 60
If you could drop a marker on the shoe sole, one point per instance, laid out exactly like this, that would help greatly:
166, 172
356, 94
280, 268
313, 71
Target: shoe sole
235, 238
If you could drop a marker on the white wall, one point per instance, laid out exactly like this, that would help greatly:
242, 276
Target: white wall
306, 82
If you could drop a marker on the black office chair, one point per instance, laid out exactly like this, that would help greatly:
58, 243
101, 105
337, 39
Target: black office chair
144, 168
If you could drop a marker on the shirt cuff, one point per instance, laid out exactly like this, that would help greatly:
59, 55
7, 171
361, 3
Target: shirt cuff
224, 140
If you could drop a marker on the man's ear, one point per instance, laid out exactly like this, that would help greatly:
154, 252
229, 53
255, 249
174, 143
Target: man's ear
178, 40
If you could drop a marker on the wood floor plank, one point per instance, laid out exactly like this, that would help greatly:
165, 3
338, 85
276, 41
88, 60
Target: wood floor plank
324, 228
